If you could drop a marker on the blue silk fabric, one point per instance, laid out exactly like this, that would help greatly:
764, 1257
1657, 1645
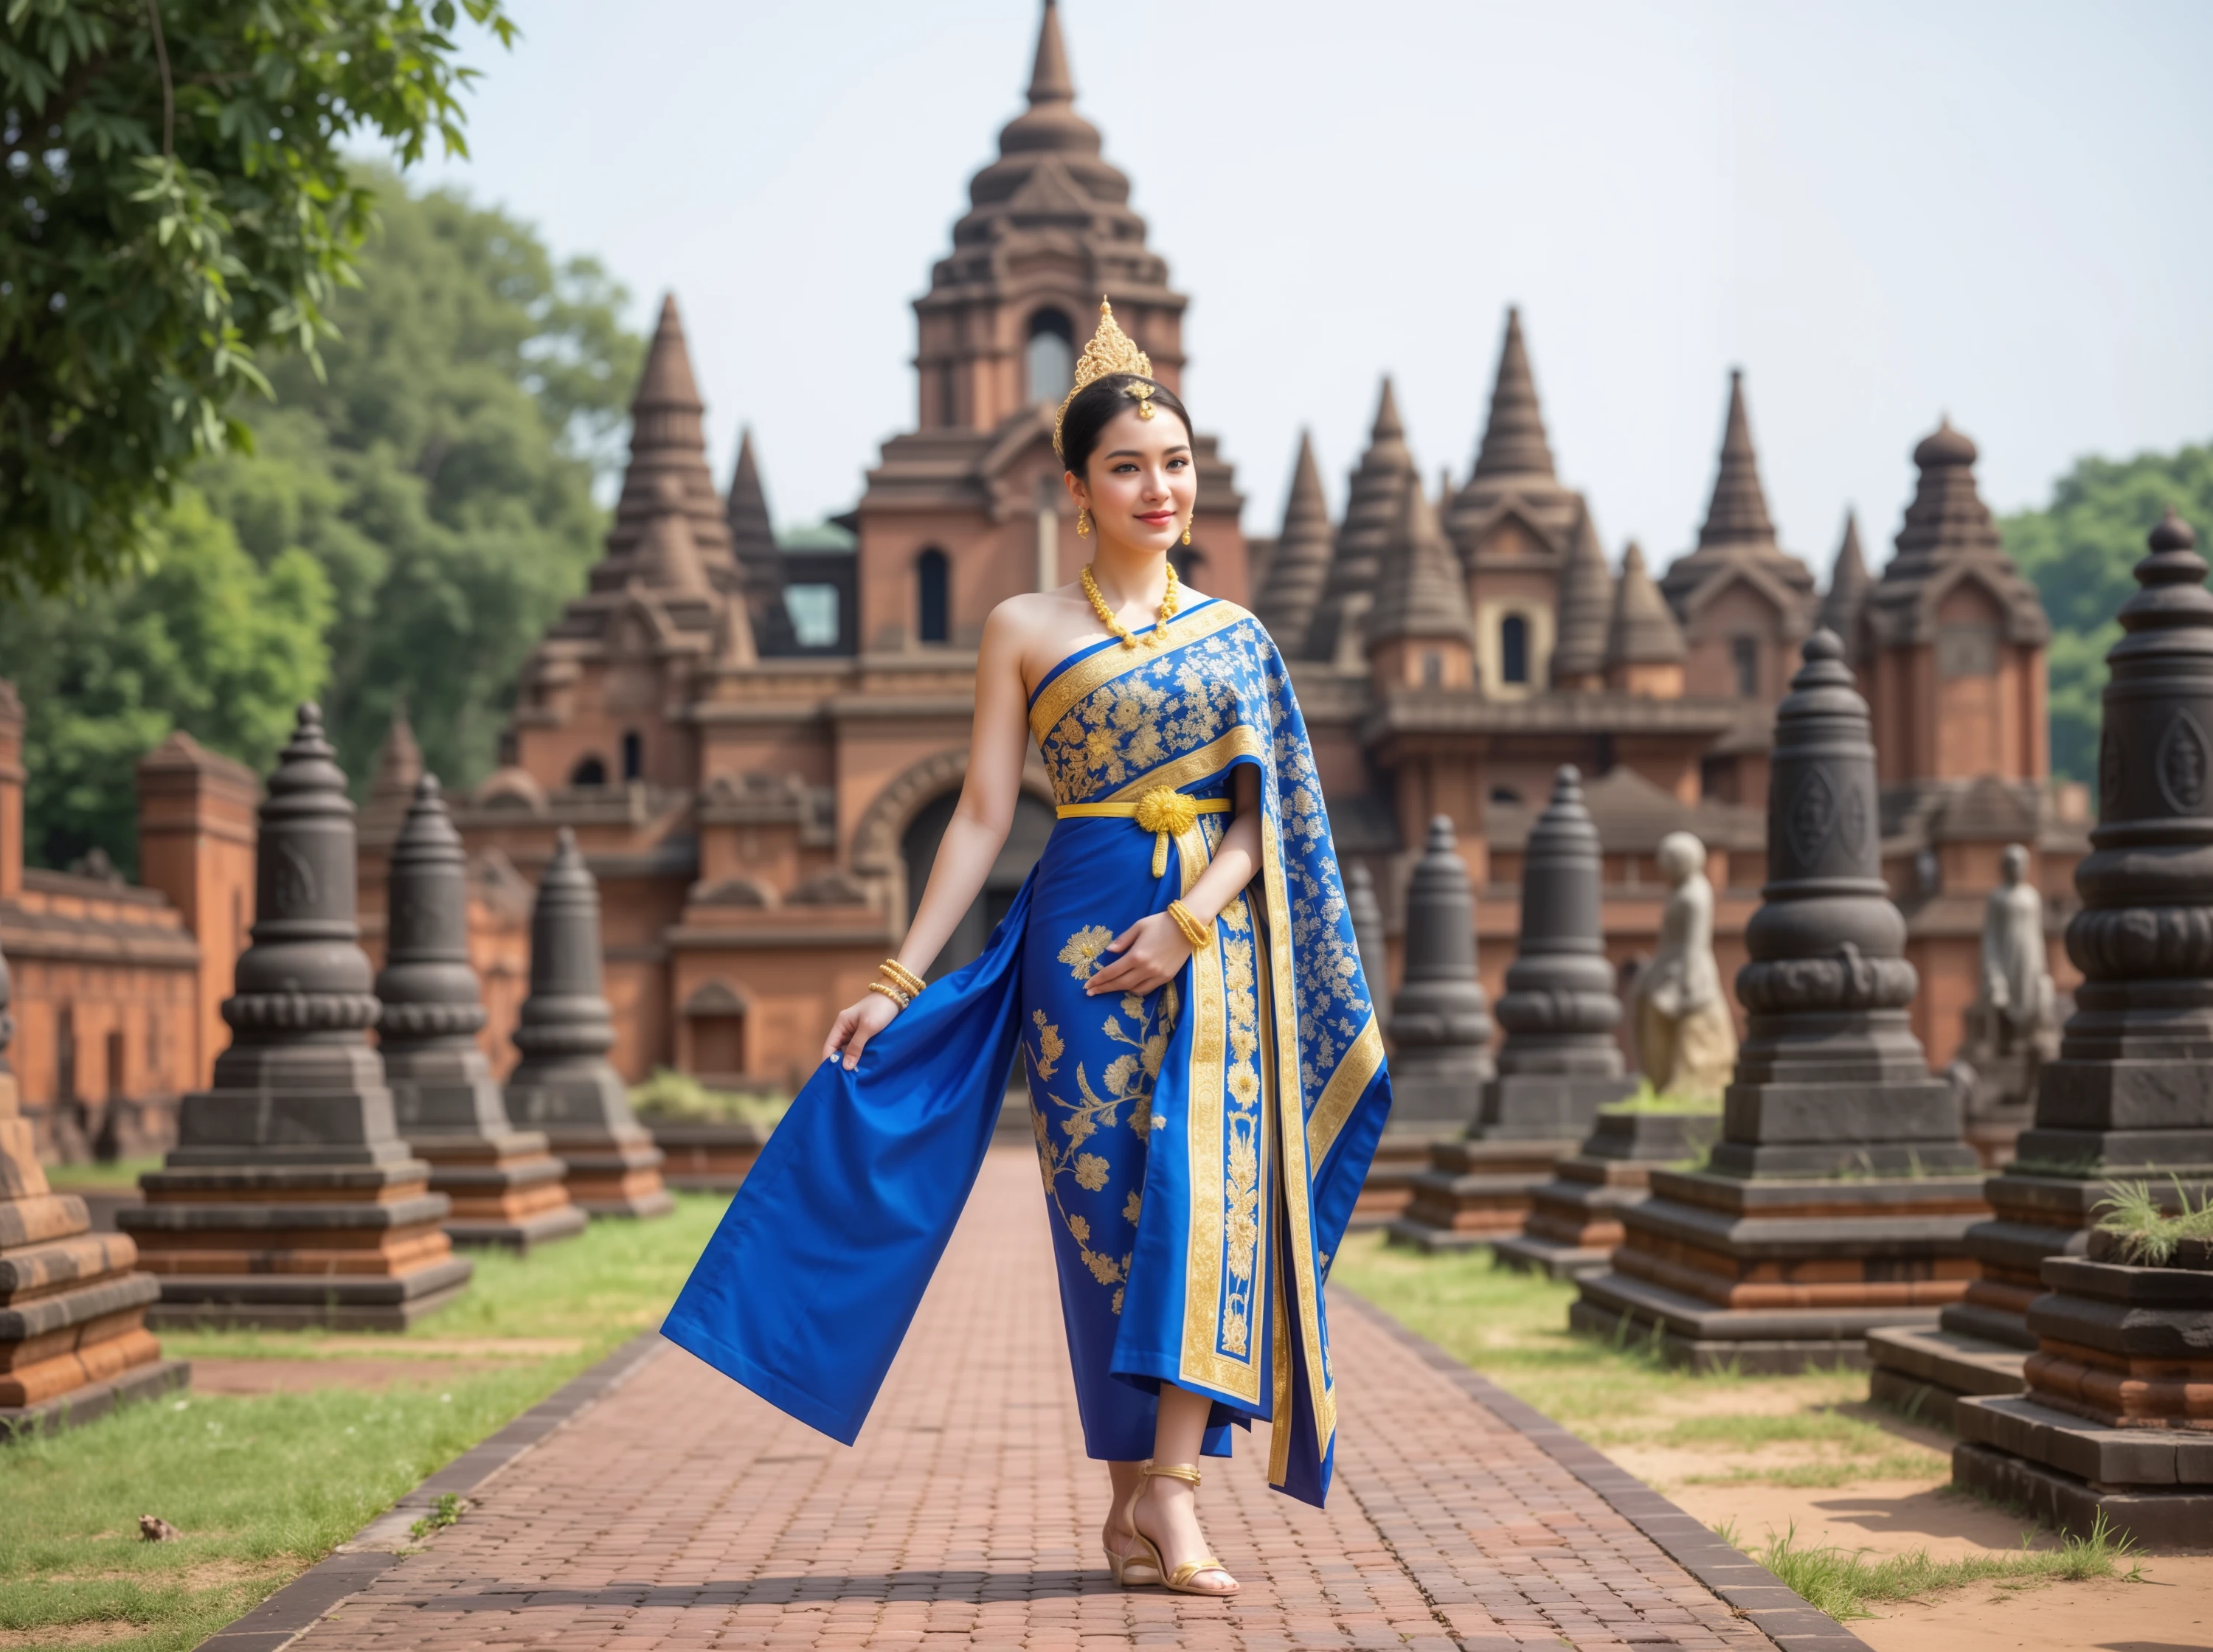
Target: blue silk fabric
1201, 1147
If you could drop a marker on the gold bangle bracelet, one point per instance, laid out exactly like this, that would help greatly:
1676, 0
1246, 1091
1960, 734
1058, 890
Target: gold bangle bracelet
901, 976
1195, 930
891, 992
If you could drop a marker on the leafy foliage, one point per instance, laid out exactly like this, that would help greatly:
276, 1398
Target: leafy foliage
210, 640
181, 211
405, 526
440, 470
2078, 551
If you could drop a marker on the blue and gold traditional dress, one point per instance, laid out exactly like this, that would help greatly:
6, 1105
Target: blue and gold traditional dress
1202, 1146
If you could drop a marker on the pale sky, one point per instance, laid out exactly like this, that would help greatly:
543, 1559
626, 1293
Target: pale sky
1880, 211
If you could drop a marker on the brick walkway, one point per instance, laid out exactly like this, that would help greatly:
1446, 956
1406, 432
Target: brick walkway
683, 1512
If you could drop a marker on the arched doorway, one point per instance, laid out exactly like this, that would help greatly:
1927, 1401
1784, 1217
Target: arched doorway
1033, 825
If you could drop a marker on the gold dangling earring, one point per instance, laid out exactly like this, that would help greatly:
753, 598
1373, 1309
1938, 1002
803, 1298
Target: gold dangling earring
1187, 526
1083, 523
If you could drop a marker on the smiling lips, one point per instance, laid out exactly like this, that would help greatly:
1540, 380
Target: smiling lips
1155, 517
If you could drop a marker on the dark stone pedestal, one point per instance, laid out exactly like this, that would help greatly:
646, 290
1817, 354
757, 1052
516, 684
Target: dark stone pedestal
1440, 1027
565, 1085
1475, 1192
1838, 1198
2117, 1418
506, 1190
1400, 1156
701, 1158
2129, 1098
1575, 1219
289, 1198
1776, 1275
1925, 1370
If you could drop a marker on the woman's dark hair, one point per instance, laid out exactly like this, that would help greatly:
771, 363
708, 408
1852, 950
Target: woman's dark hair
1095, 407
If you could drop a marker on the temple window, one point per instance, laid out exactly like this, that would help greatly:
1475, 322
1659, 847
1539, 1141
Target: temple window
1514, 649
1433, 668
949, 394
1506, 794
1051, 356
633, 755
815, 617
1744, 654
933, 600
588, 771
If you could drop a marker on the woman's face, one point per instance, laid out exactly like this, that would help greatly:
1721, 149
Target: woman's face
1139, 484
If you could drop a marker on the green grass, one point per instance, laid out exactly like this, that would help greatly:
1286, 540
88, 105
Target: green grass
1647, 1100
263, 1487
1842, 1581
2149, 1231
124, 1173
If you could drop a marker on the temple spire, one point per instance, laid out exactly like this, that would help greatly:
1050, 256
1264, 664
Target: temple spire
1296, 572
1849, 581
1738, 533
667, 443
1586, 609
1050, 81
1513, 442
1419, 590
1372, 505
1737, 514
1643, 631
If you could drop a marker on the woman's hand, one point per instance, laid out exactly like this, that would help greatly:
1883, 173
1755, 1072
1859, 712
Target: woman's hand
1153, 950
856, 1024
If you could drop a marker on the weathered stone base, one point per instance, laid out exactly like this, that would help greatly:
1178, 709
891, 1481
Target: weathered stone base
2156, 1484
1546, 1106
331, 1302
507, 1194
1475, 1192
2156, 1520
1527, 1253
1399, 1157
1688, 1331
618, 1176
715, 1158
357, 1246
1925, 1371
94, 1400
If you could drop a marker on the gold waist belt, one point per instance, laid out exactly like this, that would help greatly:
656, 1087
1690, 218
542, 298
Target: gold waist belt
1164, 811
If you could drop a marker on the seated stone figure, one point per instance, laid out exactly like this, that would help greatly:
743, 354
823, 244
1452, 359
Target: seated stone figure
1685, 1040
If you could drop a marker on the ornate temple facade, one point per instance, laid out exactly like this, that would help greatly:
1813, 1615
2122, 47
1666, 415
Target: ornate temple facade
758, 742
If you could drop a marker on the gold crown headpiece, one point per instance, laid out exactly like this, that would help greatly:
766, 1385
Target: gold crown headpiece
1111, 351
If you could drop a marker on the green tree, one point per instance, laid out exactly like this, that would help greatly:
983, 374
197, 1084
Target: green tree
210, 641
181, 212
2078, 551
440, 470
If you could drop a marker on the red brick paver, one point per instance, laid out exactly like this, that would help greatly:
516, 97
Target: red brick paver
682, 1512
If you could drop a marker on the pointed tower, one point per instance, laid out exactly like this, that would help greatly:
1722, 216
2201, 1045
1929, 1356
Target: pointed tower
1049, 230
399, 766
1418, 634
1849, 583
1514, 525
1372, 505
667, 442
1644, 649
1585, 610
1291, 589
1739, 535
1514, 505
1955, 639
753, 544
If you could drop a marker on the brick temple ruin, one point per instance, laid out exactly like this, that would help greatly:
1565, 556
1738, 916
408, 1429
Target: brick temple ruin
757, 740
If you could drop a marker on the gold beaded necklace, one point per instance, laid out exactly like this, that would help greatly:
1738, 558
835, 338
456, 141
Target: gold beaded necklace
1107, 614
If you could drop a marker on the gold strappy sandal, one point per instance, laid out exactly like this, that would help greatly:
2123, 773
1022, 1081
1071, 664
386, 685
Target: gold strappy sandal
1179, 1581
1141, 1570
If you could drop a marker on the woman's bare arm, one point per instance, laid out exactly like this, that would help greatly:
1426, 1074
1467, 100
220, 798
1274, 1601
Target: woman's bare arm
978, 830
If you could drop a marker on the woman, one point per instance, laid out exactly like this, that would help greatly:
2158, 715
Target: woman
1205, 1074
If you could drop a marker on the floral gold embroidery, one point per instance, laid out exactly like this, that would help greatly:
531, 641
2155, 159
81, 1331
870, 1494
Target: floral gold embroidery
1050, 1047
1080, 955
1241, 1119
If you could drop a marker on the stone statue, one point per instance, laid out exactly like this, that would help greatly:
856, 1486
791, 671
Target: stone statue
2017, 1000
1686, 1039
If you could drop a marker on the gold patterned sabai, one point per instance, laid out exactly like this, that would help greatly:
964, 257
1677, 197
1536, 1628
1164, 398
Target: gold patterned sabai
1111, 351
